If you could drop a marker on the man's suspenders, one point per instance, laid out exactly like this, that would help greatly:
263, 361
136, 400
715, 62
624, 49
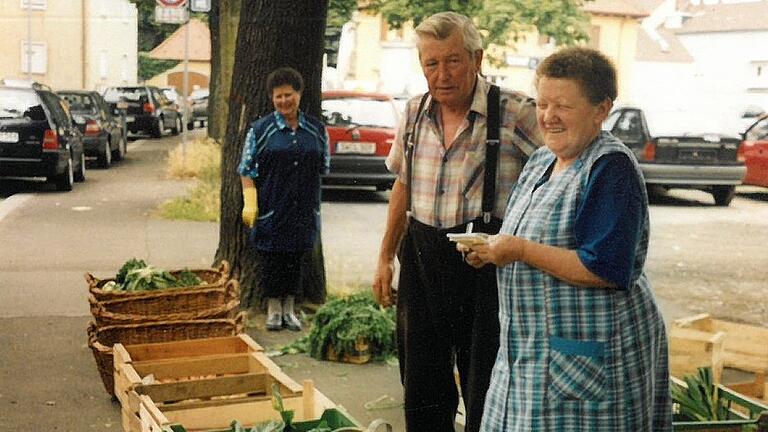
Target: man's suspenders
491, 152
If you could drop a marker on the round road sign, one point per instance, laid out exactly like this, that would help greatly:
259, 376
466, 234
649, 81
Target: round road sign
172, 3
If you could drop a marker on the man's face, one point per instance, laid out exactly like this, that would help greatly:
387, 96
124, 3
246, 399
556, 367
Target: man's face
449, 68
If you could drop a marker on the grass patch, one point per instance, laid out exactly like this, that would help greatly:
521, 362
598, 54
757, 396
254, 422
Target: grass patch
201, 160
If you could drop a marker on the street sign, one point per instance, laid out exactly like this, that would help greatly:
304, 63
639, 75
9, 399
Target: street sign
171, 3
200, 5
171, 15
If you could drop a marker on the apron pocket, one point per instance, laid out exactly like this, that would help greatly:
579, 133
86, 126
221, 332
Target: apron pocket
576, 370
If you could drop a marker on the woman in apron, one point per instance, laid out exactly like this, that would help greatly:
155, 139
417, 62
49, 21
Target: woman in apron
583, 345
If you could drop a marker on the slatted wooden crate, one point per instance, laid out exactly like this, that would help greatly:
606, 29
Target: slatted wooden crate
308, 404
701, 340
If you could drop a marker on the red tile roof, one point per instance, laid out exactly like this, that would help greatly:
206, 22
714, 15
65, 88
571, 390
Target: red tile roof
199, 43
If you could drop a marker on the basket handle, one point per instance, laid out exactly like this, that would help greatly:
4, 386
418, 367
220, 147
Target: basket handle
91, 279
224, 268
377, 424
232, 288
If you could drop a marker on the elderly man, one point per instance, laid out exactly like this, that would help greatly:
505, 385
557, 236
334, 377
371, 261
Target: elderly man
447, 310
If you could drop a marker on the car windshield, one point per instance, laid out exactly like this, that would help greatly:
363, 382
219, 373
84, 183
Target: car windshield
170, 94
680, 122
199, 94
359, 112
15, 104
79, 102
113, 94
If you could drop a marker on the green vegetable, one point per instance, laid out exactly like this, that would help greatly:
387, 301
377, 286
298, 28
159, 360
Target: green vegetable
342, 321
137, 275
699, 400
129, 265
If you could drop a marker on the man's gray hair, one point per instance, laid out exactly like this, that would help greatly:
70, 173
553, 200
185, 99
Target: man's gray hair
442, 25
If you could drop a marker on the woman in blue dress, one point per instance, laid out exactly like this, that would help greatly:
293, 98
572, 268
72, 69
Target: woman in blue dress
283, 157
583, 345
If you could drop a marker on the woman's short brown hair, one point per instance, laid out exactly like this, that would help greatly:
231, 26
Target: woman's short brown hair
285, 76
593, 70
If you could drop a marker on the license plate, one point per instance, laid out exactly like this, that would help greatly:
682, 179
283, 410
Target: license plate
698, 155
358, 147
9, 137
130, 119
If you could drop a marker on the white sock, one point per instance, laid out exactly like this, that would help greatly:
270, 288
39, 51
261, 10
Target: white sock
274, 306
288, 305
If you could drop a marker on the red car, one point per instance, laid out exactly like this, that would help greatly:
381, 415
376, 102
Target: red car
361, 127
754, 152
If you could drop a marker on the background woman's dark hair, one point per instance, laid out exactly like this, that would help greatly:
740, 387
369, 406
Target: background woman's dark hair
285, 75
593, 70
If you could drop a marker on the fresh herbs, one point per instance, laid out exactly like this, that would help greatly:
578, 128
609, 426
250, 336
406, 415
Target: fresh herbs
137, 275
343, 321
284, 425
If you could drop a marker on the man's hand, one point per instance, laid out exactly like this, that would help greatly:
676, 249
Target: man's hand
250, 206
382, 282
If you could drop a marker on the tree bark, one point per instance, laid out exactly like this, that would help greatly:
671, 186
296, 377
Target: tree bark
271, 34
224, 19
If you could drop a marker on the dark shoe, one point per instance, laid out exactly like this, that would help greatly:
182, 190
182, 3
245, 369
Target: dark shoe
291, 322
274, 322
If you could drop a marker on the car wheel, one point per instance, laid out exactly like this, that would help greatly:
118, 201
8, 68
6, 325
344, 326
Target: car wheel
105, 159
157, 129
80, 172
65, 180
723, 195
176, 126
119, 153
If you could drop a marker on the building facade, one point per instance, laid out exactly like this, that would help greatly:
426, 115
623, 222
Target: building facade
75, 44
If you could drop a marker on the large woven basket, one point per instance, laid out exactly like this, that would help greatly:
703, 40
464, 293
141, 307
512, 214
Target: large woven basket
210, 277
101, 339
221, 301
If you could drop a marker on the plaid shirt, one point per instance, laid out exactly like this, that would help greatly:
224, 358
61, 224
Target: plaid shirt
448, 184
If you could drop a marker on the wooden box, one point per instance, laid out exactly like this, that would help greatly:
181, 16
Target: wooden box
733, 345
307, 405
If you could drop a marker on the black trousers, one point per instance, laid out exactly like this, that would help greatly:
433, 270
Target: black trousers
447, 313
280, 273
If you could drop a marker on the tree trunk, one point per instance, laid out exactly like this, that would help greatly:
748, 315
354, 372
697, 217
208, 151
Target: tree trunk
224, 18
271, 34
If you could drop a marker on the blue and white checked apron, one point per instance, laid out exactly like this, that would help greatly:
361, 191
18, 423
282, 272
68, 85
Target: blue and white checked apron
574, 359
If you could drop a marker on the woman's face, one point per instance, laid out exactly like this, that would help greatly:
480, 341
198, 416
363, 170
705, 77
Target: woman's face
566, 118
286, 100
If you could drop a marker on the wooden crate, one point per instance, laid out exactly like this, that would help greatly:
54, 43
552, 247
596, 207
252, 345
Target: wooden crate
218, 415
744, 347
201, 370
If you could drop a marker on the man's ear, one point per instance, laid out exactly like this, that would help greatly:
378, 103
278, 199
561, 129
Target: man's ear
478, 60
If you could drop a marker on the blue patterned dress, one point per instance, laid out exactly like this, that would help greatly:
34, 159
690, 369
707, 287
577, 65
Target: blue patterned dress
574, 359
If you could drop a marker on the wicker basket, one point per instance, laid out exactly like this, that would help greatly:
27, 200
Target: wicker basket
101, 339
210, 277
169, 305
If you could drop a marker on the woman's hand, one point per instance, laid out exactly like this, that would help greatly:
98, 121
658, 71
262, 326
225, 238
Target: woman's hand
500, 250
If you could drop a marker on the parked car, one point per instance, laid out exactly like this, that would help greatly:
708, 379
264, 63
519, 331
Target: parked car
148, 109
680, 150
754, 152
198, 101
102, 131
361, 128
38, 137
178, 101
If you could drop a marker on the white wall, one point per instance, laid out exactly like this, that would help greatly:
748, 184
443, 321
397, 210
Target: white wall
112, 43
724, 62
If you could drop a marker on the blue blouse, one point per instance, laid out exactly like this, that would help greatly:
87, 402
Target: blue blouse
609, 219
286, 165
